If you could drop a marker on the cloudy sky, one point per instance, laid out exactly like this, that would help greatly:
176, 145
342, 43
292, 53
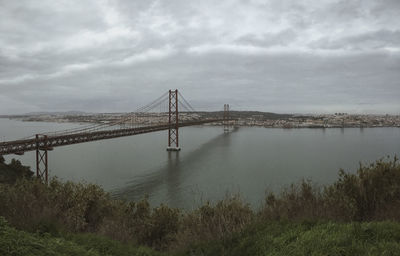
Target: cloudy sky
303, 56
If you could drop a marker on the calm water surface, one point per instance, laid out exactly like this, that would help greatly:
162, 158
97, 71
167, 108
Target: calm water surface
211, 164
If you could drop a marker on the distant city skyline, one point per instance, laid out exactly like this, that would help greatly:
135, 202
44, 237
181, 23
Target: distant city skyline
275, 56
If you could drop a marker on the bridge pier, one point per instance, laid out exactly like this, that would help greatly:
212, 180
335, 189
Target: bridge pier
173, 121
42, 166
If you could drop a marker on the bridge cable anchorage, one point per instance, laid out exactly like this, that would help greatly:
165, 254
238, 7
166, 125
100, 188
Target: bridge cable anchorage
173, 121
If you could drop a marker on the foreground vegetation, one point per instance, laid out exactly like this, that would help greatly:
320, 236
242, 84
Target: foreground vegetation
357, 215
9, 173
15, 242
269, 238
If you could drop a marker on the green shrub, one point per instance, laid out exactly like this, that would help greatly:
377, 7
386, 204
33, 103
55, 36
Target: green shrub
162, 228
373, 193
76, 207
301, 201
10, 173
216, 222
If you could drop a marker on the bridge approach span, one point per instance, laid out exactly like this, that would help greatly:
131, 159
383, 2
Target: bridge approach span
49, 142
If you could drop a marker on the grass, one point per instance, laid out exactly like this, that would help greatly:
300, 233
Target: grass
14, 242
266, 238
291, 238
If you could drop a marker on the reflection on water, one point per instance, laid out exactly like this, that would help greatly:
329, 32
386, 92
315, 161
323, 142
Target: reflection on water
172, 174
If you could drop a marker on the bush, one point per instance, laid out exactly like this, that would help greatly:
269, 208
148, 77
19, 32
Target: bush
163, 226
301, 201
76, 207
210, 223
373, 193
10, 173
79, 207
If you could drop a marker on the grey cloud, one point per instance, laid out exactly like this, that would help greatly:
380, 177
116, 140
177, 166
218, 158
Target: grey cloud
386, 8
281, 38
277, 55
371, 40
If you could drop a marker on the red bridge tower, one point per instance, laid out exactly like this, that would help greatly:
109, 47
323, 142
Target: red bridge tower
173, 121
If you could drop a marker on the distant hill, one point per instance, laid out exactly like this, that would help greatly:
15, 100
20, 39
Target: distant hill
69, 113
234, 114
49, 113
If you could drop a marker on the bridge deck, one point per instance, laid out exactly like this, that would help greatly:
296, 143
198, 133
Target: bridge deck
21, 146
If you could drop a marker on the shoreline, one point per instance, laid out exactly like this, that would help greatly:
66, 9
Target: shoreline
61, 121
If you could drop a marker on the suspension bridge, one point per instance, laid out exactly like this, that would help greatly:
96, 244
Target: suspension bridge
168, 112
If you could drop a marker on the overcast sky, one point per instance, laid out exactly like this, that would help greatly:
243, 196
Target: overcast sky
278, 55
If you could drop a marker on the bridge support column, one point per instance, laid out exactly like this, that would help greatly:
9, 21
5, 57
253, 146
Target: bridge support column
173, 115
42, 167
226, 118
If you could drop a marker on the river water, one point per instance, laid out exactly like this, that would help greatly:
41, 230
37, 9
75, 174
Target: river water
212, 164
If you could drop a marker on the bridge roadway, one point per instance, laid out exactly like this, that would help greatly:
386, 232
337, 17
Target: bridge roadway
49, 142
